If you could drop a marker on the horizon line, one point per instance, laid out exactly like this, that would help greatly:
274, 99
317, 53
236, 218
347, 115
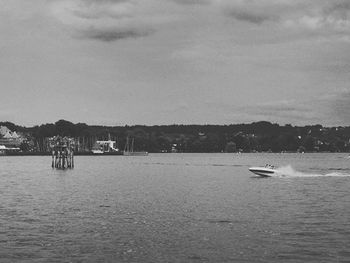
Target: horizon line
178, 124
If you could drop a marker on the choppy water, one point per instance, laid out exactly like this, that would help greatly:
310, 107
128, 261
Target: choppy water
176, 208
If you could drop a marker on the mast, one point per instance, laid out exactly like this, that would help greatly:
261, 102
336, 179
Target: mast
127, 148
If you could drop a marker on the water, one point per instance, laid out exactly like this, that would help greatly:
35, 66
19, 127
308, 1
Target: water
176, 208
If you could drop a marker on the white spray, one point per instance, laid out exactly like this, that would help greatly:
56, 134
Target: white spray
288, 171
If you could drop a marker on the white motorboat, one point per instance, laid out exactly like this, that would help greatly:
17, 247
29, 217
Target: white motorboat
264, 171
106, 147
97, 151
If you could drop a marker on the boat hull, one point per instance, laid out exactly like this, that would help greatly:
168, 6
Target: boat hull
262, 171
135, 153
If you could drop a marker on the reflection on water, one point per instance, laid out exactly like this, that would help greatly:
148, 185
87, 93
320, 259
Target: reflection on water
175, 208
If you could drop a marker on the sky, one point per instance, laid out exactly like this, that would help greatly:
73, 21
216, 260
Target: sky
159, 62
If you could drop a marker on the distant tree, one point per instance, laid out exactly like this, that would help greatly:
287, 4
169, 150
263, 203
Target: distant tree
309, 143
25, 146
241, 141
65, 128
259, 136
230, 147
212, 142
287, 142
301, 149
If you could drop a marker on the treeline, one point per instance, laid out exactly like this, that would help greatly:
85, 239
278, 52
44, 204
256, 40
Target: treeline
255, 137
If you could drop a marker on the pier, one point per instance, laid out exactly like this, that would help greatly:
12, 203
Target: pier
62, 149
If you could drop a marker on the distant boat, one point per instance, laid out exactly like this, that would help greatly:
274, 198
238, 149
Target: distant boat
106, 147
8, 150
264, 171
129, 149
2, 150
97, 151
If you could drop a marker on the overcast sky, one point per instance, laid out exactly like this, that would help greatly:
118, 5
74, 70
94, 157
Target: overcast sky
117, 62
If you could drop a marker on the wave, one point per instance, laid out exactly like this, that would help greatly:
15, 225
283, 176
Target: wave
289, 171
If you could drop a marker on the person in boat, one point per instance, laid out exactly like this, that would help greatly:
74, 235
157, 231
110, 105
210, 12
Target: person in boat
270, 166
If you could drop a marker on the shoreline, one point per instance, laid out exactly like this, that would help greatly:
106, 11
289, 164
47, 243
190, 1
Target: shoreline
50, 154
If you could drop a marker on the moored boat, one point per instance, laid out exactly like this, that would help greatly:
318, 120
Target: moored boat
106, 148
129, 149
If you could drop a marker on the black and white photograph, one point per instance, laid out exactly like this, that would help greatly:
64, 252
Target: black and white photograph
175, 131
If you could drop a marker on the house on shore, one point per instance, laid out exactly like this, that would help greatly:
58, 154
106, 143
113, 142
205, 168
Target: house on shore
9, 140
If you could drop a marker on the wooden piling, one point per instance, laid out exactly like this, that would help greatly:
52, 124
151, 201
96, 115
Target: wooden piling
62, 150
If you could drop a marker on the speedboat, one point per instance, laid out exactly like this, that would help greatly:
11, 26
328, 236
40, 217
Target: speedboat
264, 171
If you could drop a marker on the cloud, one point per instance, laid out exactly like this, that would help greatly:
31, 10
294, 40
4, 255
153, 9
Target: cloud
192, 2
330, 108
110, 20
297, 111
326, 17
257, 12
323, 16
337, 14
112, 35
254, 18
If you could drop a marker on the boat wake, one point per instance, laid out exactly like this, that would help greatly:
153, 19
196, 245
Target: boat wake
288, 171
